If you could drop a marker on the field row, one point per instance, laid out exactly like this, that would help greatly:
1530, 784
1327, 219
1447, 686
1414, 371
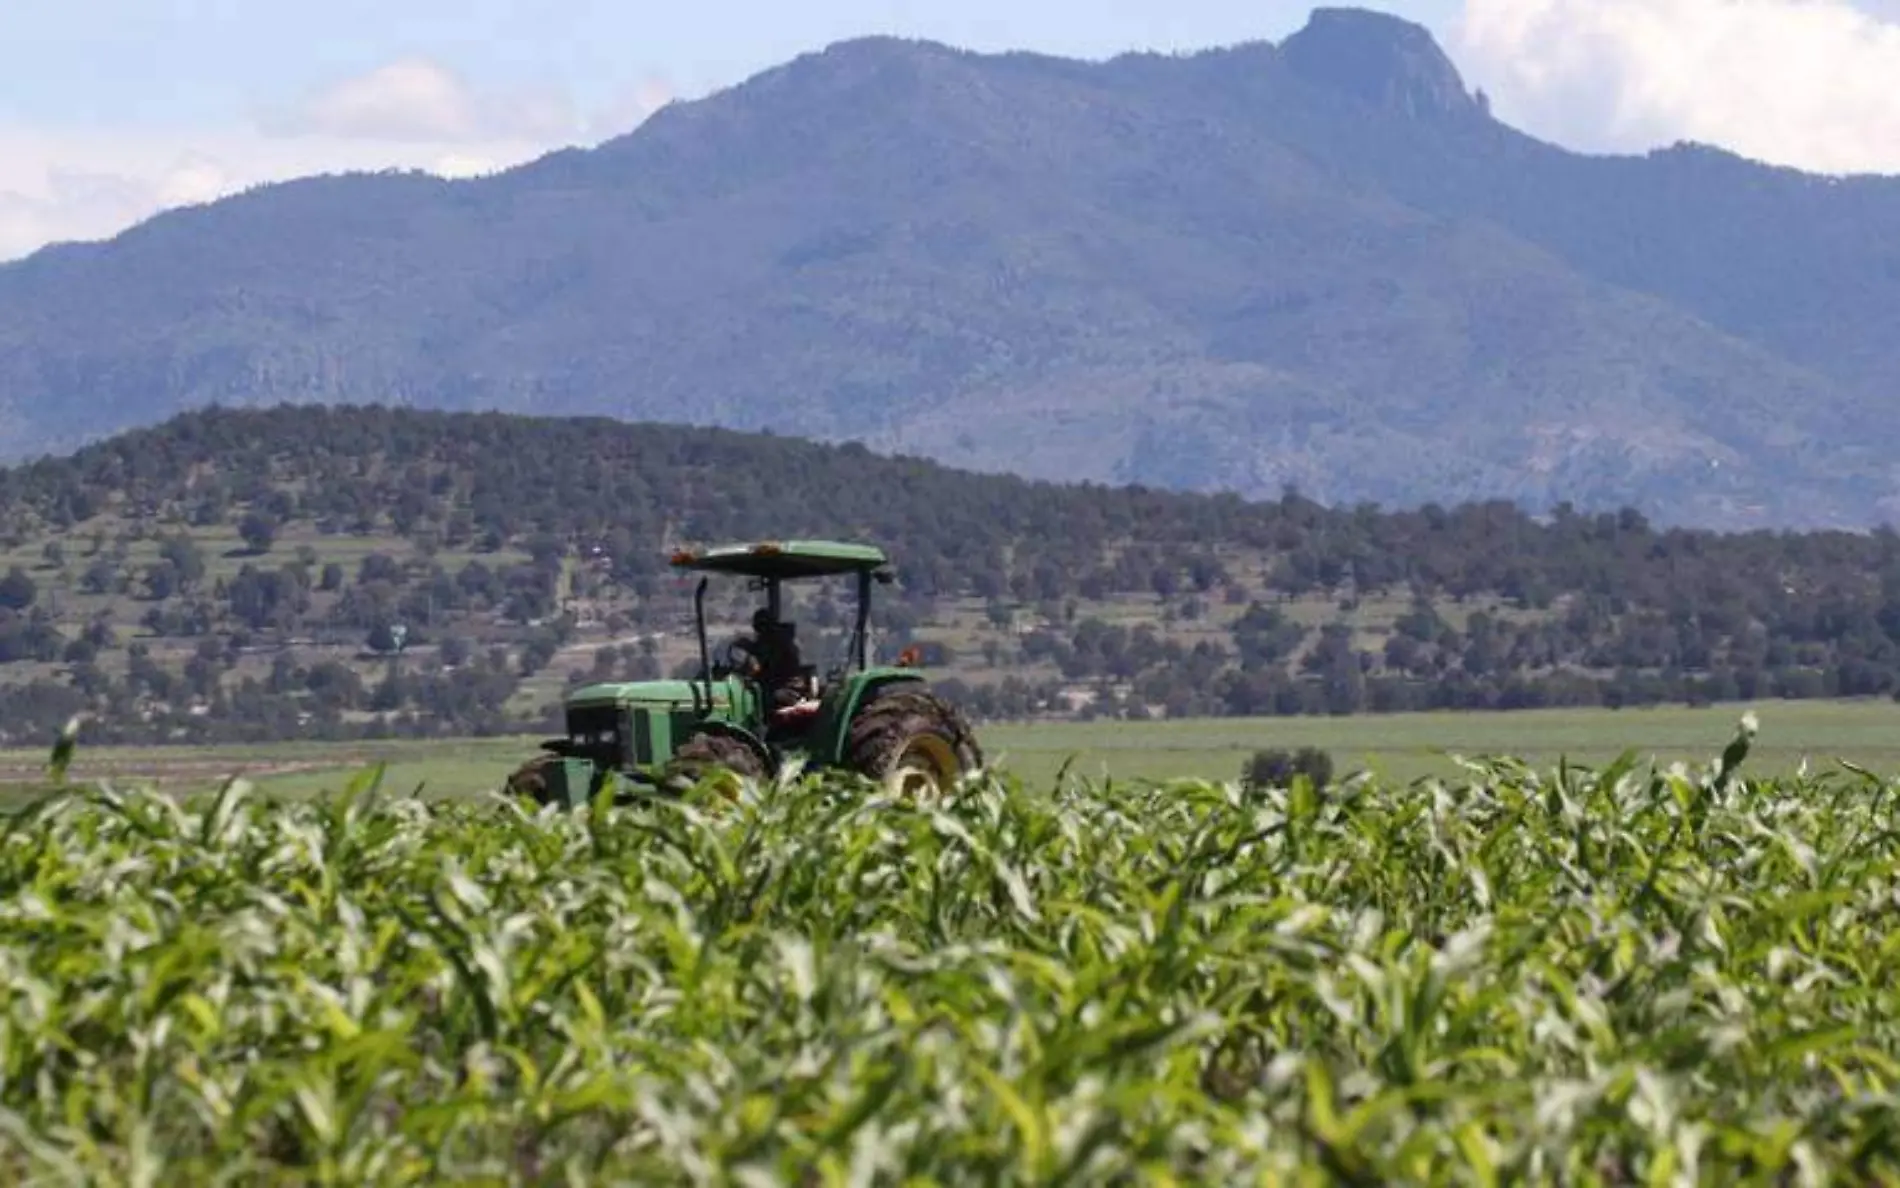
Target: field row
1394, 747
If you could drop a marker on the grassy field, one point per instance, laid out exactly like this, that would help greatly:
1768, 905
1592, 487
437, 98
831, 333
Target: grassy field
1404, 747
1396, 747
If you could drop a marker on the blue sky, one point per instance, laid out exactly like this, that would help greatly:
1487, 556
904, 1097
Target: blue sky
183, 61
113, 109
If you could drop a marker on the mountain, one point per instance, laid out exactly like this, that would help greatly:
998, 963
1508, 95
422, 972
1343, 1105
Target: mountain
1321, 262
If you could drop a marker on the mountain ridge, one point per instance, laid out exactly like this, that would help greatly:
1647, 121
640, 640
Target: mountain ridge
1320, 262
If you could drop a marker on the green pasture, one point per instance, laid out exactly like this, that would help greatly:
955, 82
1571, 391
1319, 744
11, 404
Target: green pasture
1405, 747
1400, 747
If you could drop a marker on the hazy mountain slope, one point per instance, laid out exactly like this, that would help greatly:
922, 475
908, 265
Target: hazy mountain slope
1805, 265
1320, 262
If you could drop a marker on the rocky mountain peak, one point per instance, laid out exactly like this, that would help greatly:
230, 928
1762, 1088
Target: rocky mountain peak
1383, 60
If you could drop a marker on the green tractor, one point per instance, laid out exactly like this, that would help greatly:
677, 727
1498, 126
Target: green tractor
759, 707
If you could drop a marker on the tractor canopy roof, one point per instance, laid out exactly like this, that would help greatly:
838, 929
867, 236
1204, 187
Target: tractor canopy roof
784, 559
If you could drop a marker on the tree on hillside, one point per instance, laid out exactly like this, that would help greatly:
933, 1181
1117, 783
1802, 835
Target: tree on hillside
186, 559
17, 589
259, 531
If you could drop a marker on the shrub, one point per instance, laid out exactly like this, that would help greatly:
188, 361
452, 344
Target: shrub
1276, 768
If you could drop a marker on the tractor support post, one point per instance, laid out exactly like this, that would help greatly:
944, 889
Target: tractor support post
705, 649
864, 618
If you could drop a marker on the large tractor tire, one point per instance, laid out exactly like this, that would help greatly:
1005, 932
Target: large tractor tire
530, 780
721, 758
913, 742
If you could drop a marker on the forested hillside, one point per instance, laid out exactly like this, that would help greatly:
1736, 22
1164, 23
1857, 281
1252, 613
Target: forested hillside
1321, 261
302, 572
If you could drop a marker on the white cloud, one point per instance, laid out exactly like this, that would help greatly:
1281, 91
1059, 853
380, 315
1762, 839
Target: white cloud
1810, 83
47, 194
415, 100
629, 107
77, 185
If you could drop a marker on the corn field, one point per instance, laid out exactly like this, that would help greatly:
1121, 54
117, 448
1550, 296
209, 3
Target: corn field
1610, 976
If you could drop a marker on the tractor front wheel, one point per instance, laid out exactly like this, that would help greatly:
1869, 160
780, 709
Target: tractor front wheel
914, 743
719, 757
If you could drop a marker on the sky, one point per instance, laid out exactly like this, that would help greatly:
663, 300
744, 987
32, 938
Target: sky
111, 110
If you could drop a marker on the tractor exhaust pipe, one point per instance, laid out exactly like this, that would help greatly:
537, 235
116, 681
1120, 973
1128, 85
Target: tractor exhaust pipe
705, 650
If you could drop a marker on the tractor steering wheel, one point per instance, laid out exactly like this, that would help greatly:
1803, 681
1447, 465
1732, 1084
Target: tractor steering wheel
740, 658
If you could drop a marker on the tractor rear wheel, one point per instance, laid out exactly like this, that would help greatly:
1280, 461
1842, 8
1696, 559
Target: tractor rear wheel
913, 742
530, 780
719, 757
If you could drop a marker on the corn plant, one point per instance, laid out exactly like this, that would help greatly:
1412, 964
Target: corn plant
1579, 976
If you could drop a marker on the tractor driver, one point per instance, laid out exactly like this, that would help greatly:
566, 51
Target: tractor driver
775, 648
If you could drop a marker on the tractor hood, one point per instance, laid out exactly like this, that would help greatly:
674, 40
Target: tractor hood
673, 694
